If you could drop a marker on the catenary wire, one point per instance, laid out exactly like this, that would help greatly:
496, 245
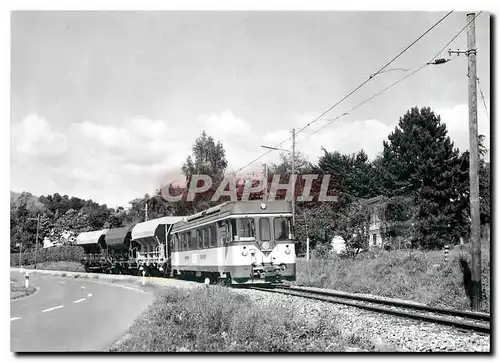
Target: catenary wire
393, 84
354, 90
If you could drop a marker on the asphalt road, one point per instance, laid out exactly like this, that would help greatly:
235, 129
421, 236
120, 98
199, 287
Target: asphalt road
73, 315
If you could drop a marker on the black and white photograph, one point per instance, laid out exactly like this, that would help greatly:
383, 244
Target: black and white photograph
250, 180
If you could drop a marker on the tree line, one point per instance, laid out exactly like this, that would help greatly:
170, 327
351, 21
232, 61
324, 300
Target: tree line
418, 188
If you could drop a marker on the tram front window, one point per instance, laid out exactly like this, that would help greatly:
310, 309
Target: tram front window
245, 229
282, 228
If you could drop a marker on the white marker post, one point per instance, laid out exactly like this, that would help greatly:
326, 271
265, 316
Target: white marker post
143, 277
26, 280
307, 248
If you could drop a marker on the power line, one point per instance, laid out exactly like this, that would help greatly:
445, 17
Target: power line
482, 96
355, 89
376, 73
393, 84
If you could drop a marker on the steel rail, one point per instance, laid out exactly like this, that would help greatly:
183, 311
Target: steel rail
395, 303
483, 328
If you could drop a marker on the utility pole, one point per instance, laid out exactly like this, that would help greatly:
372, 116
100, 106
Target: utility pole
267, 180
293, 181
36, 240
307, 236
146, 211
473, 161
473, 164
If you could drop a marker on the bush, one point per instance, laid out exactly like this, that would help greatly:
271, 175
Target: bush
54, 254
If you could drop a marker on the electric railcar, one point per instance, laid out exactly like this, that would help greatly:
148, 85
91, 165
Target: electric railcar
242, 242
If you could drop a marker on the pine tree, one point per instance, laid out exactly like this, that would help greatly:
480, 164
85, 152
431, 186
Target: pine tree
421, 161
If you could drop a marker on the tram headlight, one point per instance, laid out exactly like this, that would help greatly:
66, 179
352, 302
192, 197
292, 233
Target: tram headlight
244, 252
287, 250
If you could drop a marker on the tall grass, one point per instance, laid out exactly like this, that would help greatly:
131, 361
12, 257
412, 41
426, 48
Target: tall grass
421, 276
220, 320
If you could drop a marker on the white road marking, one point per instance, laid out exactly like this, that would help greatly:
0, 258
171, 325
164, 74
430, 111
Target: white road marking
15, 318
90, 294
48, 310
79, 300
62, 282
131, 288
83, 287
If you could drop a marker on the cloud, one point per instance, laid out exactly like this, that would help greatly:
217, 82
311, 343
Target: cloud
111, 161
34, 137
225, 125
115, 163
456, 119
237, 136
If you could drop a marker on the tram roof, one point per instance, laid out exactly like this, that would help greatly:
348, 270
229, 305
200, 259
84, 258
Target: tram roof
226, 209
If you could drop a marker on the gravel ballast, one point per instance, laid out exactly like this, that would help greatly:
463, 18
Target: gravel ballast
387, 333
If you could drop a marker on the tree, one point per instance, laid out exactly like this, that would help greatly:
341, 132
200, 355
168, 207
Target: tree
209, 159
353, 226
302, 165
316, 222
353, 174
421, 161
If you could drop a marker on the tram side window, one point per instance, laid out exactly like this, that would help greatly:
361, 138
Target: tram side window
184, 241
265, 229
205, 238
192, 239
174, 237
199, 238
213, 235
224, 227
234, 230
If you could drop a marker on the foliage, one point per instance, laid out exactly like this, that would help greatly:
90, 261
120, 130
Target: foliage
209, 159
302, 165
420, 161
353, 226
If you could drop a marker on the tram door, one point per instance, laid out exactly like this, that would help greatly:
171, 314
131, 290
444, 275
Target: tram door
222, 242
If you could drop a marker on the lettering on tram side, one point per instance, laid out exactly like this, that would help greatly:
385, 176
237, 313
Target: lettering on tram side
203, 257
186, 258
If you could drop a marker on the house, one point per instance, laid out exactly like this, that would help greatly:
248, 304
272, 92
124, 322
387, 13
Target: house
382, 232
375, 229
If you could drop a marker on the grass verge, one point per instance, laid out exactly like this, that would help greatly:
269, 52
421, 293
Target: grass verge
421, 276
220, 320
17, 289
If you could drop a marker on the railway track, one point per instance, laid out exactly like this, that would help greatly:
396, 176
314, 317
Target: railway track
464, 320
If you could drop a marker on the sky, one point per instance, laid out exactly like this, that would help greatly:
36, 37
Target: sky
107, 105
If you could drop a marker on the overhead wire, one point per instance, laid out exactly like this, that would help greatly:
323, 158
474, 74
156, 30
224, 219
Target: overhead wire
395, 83
484, 101
355, 89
